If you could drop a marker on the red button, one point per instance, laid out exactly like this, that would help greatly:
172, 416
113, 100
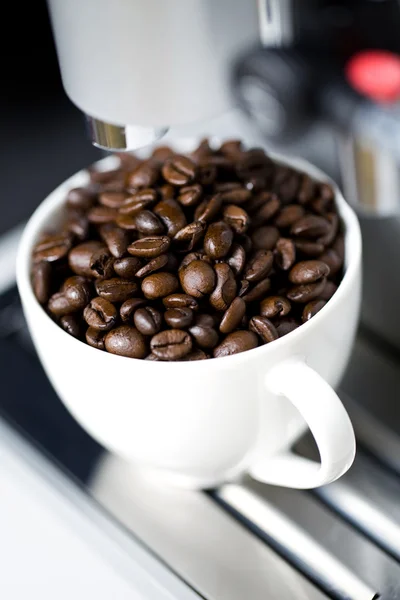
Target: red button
376, 74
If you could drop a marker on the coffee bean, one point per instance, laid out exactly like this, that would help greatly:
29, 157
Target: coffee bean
81, 198
285, 254
101, 263
238, 341
78, 292
79, 258
237, 259
202, 151
265, 238
332, 259
190, 195
264, 329
117, 239
103, 177
311, 309
59, 305
206, 320
259, 265
180, 301
140, 200
127, 267
126, 341
233, 315
204, 336
321, 206
237, 195
129, 307
206, 174
112, 199
258, 291
232, 149
328, 291
161, 153
95, 338
188, 237
145, 175
244, 288
305, 292
171, 344
308, 271
127, 222
71, 324
116, 289
253, 162
307, 189
286, 325
236, 217
159, 285
209, 209
226, 186
52, 248
77, 225
166, 191
267, 210
179, 318
188, 258
152, 357
309, 248
102, 214
275, 306
311, 226
148, 320
329, 237
289, 215
218, 240
225, 289
150, 247
153, 265
179, 170
100, 314
197, 279
41, 281
172, 216
195, 355
148, 223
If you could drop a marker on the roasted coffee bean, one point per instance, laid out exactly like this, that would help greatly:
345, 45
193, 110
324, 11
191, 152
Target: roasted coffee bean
166, 191
140, 200
100, 314
328, 238
285, 254
333, 261
208, 209
145, 175
77, 224
237, 259
289, 215
52, 248
41, 281
311, 309
258, 291
218, 240
309, 248
127, 222
81, 198
153, 265
275, 306
117, 239
79, 258
101, 263
237, 195
102, 177
172, 216
190, 195
159, 285
161, 153
171, 344
207, 320
328, 291
95, 338
225, 289
148, 223
195, 355
226, 186
148, 320
266, 211
112, 199
206, 174
259, 266
238, 341
308, 271
59, 305
202, 151
188, 258
204, 336
264, 329
180, 301
188, 237
286, 325
179, 170
311, 226
128, 161
233, 315
77, 291
197, 279
129, 307
102, 214
179, 318
116, 289
71, 324
305, 292
321, 206
244, 288
152, 357
307, 189
237, 218
150, 247
253, 162
127, 267
288, 189
126, 341
232, 149
265, 238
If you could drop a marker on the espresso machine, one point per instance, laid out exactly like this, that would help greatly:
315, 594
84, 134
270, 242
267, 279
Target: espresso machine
303, 77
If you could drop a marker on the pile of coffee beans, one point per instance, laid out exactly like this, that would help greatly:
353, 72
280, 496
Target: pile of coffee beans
187, 257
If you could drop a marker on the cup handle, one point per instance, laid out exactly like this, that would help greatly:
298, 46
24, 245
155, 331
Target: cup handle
327, 419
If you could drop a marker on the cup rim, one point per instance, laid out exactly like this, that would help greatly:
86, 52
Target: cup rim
56, 200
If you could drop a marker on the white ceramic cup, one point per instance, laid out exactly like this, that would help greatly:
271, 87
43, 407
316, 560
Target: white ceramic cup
201, 423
